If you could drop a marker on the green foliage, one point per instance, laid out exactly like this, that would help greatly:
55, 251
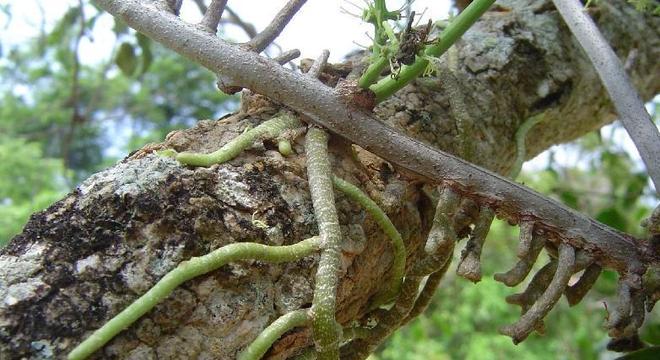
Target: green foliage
84, 117
29, 183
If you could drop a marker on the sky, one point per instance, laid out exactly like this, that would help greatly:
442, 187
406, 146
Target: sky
321, 24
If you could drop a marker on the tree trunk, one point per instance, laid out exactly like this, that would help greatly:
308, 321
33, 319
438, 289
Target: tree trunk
85, 258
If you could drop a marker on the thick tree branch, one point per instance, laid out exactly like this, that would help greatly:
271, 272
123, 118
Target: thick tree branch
328, 108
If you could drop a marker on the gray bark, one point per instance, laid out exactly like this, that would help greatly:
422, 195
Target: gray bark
86, 257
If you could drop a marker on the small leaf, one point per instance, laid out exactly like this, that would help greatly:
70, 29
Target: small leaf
126, 59
147, 56
613, 217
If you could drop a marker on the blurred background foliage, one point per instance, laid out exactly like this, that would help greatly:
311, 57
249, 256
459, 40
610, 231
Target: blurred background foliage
63, 118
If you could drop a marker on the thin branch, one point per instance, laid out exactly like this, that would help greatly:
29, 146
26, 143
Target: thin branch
577, 291
273, 30
521, 329
442, 237
510, 200
318, 65
628, 104
522, 268
287, 56
212, 15
74, 97
174, 5
470, 265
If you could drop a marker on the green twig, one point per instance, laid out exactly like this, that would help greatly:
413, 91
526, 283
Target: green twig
388, 86
327, 333
372, 74
187, 270
378, 15
273, 332
399, 248
268, 129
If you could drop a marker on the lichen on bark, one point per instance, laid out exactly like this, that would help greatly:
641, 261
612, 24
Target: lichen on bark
92, 253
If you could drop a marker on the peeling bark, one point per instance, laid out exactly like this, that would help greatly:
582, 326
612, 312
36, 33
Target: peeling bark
82, 260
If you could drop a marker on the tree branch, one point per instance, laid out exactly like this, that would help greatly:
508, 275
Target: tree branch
261, 41
330, 110
212, 15
629, 105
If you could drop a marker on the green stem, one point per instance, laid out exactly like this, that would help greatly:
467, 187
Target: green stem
399, 265
373, 72
327, 333
273, 332
388, 86
520, 144
269, 129
376, 15
187, 270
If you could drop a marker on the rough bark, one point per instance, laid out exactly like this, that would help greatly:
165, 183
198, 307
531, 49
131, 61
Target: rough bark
86, 257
